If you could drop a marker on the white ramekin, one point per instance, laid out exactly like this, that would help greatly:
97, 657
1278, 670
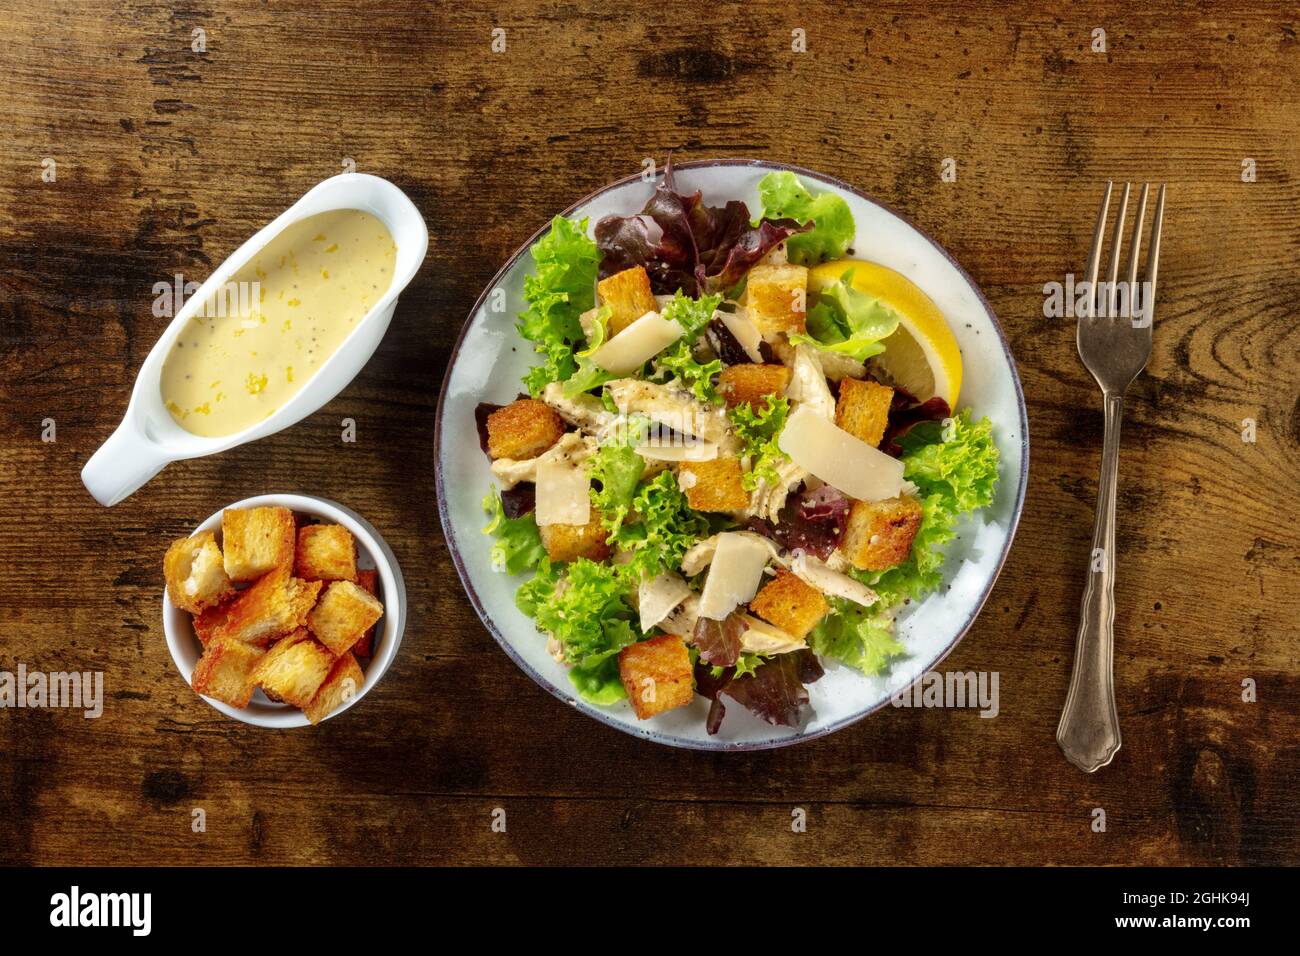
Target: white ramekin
371, 550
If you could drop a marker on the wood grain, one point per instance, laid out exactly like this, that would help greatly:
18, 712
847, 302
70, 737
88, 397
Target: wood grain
168, 158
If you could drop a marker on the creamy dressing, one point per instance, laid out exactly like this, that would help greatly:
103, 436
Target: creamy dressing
276, 321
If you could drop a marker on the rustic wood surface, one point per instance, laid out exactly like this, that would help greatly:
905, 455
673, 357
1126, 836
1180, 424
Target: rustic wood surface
168, 158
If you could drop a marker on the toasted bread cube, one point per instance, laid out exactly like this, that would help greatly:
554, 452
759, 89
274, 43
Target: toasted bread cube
790, 603
225, 671
863, 409
365, 645
657, 675
344, 613
568, 542
628, 296
210, 621
523, 429
739, 384
256, 541
777, 298
195, 575
275, 605
713, 485
344, 682
879, 533
326, 552
294, 669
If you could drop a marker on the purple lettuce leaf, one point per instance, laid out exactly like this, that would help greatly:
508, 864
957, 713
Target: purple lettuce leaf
812, 522
776, 692
905, 413
684, 244
719, 641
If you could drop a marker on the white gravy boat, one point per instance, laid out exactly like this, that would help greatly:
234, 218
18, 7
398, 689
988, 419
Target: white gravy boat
149, 438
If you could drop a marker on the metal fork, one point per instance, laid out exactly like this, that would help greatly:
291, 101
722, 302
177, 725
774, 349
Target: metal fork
1114, 349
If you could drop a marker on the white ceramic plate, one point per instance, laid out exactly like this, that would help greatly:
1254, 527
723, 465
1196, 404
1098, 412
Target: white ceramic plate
490, 358
372, 552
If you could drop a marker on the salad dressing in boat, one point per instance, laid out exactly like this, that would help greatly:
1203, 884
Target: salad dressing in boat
276, 321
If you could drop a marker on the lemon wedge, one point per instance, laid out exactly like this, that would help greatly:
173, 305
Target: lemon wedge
922, 355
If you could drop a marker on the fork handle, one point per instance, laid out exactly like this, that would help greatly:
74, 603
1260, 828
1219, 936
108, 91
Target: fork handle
1089, 729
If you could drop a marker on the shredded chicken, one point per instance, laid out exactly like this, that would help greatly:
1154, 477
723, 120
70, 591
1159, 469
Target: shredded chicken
839, 367
763, 638
767, 500
582, 411
808, 383
820, 575
674, 409
700, 556
682, 621
572, 448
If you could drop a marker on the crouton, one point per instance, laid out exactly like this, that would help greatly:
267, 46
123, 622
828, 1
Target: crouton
879, 533
196, 578
657, 675
863, 409
628, 296
713, 485
523, 429
791, 604
776, 297
294, 669
225, 671
275, 605
326, 552
344, 613
344, 682
739, 384
256, 541
568, 542
365, 645
210, 621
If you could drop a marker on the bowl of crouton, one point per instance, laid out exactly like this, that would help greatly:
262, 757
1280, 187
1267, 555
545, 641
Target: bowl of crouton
283, 610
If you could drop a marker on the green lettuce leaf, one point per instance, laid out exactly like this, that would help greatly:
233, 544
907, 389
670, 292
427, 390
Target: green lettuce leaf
615, 471
519, 544
785, 197
847, 321
584, 607
953, 476
758, 432
678, 361
665, 529
588, 374
857, 636
560, 288
691, 314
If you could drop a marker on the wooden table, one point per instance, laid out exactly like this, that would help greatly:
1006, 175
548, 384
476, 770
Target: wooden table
166, 158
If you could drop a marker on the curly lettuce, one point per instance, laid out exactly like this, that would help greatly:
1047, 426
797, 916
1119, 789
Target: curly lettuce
584, 607
664, 530
615, 471
955, 473
560, 288
785, 197
858, 636
757, 431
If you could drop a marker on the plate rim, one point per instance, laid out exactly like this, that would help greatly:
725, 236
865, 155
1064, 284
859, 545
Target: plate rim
595, 713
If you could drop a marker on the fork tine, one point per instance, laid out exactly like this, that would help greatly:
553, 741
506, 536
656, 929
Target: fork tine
1153, 260
1116, 243
1094, 257
1135, 252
